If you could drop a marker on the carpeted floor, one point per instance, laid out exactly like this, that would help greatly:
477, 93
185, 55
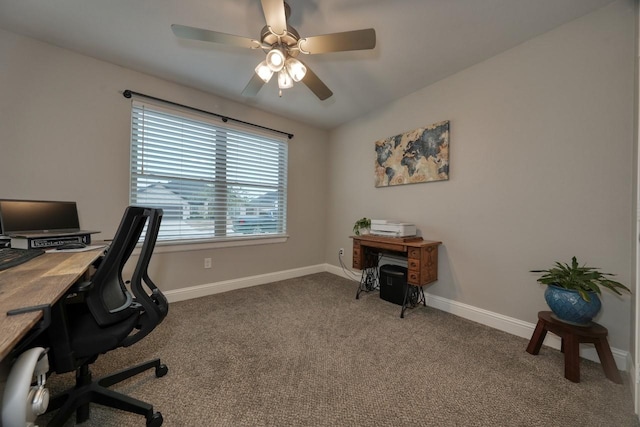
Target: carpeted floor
305, 352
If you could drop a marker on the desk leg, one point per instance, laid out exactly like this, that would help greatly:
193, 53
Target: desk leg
414, 298
404, 301
368, 280
370, 275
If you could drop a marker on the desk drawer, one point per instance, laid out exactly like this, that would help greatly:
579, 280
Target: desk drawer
413, 253
413, 277
357, 264
413, 264
358, 260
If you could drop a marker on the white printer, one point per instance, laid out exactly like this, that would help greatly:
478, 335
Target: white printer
384, 227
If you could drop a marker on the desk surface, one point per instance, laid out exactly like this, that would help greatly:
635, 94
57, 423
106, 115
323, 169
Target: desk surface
43, 280
395, 244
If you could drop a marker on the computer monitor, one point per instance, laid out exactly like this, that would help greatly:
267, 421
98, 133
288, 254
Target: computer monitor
19, 216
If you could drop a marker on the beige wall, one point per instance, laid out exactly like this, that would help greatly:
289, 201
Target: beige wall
65, 133
542, 168
542, 164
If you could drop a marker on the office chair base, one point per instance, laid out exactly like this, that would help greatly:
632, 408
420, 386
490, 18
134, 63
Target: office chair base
87, 391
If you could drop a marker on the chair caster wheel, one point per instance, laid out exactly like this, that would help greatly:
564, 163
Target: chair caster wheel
161, 371
155, 420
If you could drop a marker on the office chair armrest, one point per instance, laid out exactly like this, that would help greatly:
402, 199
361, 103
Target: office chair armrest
81, 287
77, 292
127, 304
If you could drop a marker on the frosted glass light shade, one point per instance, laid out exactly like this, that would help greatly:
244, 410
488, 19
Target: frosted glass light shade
275, 59
284, 80
296, 69
264, 72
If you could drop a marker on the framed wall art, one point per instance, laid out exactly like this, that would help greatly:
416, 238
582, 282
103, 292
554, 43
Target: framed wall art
420, 155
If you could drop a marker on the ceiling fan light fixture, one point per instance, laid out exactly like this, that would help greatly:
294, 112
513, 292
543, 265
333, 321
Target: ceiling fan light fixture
264, 72
275, 59
296, 69
282, 44
284, 80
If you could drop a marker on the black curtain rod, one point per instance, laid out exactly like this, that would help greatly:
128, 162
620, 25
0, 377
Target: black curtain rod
129, 93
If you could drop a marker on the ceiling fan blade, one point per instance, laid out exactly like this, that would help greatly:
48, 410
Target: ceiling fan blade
193, 33
316, 85
254, 86
339, 42
275, 16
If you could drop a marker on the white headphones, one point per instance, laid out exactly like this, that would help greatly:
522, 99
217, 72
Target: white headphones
22, 402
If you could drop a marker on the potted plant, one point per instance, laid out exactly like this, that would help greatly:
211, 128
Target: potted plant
362, 226
573, 291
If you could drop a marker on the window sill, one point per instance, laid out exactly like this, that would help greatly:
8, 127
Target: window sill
196, 245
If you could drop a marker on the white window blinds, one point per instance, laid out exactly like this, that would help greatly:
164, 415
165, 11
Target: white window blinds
213, 180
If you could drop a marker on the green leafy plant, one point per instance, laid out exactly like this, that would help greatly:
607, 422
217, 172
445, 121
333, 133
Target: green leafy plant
582, 279
360, 224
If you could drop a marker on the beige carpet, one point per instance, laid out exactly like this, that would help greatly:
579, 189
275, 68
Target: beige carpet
305, 352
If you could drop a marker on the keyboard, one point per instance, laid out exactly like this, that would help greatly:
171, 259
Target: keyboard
10, 257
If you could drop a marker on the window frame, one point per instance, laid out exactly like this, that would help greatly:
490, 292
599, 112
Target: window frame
221, 236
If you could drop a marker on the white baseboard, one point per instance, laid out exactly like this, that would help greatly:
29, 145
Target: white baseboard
517, 327
507, 324
243, 282
503, 323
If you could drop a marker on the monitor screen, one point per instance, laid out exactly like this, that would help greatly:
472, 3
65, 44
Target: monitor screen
37, 215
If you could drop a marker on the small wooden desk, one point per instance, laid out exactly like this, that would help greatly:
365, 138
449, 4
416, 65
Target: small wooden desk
422, 258
42, 280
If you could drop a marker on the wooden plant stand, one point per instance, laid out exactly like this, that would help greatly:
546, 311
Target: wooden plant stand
571, 337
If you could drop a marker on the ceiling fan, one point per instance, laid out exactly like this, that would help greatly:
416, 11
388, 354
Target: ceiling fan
283, 44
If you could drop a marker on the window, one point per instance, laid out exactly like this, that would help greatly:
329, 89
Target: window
213, 180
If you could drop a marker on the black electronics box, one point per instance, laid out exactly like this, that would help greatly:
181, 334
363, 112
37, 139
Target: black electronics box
393, 283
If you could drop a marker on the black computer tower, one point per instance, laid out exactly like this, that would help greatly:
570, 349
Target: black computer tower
393, 283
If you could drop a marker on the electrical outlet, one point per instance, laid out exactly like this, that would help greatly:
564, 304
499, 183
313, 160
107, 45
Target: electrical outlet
207, 263
341, 252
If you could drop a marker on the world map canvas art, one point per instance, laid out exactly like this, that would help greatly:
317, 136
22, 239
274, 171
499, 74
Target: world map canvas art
420, 155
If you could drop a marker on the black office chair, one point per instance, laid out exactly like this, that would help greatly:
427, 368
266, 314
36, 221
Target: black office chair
101, 315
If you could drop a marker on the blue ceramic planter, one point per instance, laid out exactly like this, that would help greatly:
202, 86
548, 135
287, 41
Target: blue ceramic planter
569, 306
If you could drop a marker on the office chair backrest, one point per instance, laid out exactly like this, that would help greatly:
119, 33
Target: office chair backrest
146, 293
109, 300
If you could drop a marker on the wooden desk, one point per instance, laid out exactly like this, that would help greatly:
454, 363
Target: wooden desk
42, 280
422, 258
422, 255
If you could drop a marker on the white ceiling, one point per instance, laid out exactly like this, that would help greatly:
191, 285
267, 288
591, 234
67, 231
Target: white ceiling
418, 43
